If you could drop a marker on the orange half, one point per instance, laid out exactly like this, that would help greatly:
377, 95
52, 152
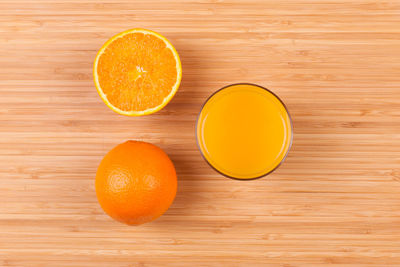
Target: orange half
137, 72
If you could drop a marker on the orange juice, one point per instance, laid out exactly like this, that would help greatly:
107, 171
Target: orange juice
244, 131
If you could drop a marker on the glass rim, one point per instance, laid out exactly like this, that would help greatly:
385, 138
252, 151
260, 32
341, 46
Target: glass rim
290, 123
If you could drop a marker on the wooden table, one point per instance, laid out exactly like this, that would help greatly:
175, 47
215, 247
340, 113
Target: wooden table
336, 199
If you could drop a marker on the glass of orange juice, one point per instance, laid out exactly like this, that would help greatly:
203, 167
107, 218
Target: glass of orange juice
244, 131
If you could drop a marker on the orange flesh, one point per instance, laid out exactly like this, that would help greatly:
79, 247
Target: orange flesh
137, 71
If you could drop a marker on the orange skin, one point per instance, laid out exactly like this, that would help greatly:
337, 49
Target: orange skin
136, 182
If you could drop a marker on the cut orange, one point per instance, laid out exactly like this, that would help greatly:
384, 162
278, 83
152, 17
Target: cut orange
137, 72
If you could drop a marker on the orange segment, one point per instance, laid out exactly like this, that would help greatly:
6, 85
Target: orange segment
137, 72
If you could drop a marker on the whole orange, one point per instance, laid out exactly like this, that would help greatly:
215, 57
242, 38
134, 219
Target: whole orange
136, 182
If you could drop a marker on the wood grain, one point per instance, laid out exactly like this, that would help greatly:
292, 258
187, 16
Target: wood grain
334, 202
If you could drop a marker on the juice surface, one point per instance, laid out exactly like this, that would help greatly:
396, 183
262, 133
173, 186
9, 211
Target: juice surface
244, 131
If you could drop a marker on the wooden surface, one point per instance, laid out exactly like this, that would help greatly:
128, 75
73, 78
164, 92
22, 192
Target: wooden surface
336, 199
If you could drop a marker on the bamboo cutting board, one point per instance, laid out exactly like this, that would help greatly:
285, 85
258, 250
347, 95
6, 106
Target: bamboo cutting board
336, 199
